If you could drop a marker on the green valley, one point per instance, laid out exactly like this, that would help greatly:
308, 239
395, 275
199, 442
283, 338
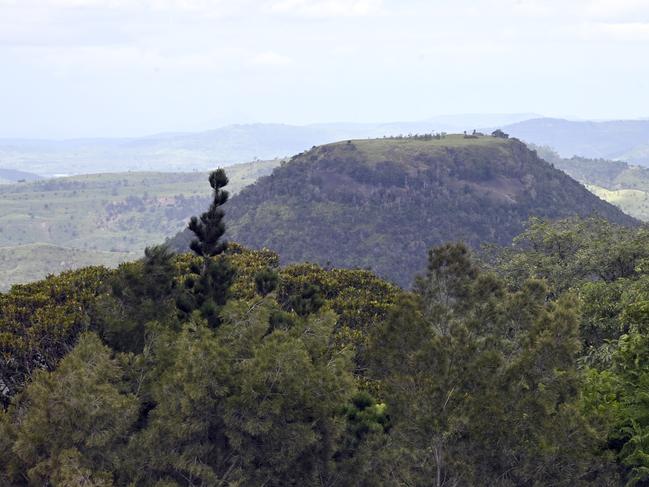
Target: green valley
99, 218
31, 262
621, 184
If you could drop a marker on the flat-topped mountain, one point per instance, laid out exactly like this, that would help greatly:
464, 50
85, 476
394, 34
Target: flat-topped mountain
383, 203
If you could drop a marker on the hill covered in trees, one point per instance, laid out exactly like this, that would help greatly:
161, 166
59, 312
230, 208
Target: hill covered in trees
382, 203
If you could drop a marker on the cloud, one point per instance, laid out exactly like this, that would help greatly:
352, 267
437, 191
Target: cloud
327, 8
112, 22
618, 10
609, 11
271, 58
117, 4
621, 31
130, 61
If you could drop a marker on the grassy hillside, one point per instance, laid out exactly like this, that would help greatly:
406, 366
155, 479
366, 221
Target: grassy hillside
624, 185
109, 216
383, 203
27, 263
634, 202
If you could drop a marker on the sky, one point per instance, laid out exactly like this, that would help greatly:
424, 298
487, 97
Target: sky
106, 68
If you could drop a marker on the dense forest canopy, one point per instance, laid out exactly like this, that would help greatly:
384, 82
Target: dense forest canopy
525, 367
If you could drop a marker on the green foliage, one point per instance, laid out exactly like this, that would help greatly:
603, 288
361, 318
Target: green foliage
141, 292
307, 302
186, 376
284, 419
364, 417
238, 405
207, 291
210, 227
605, 264
569, 252
335, 377
466, 365
67, 425
619, 398
39, 324
359, 298
266, 281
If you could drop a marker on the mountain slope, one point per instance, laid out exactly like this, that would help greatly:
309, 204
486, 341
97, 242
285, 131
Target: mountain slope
621, 139
383, 203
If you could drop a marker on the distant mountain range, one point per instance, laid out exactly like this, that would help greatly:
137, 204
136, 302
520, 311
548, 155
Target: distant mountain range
205, 150
626, 140
117, 215
16, 176
201, 151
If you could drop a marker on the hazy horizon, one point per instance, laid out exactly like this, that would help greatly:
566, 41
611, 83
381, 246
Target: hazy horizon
457, 126
108, 68
455, 118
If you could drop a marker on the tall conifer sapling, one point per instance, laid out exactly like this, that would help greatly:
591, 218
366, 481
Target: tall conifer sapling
211, 289
210, 227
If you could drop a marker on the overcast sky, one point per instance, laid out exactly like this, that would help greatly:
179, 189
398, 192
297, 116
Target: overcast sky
132, 67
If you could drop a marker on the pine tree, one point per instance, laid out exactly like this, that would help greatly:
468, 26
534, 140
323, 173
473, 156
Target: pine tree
210, 291
210, 227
